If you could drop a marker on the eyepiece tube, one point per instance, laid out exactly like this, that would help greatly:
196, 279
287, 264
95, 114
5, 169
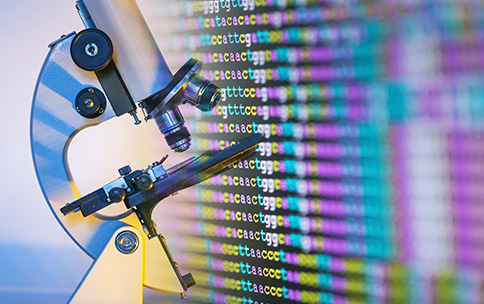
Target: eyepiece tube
202, 94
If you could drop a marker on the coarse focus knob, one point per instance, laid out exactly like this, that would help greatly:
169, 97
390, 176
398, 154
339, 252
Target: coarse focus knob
92, 50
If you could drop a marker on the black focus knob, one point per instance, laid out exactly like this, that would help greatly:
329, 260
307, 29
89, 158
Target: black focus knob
188, 280
117, 195
144, 182
90, 102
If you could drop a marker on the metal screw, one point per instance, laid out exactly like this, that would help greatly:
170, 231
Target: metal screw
136, 119
91, 49
88, 102
127, 242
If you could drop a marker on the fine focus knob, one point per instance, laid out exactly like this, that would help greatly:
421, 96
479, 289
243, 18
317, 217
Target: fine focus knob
90, 102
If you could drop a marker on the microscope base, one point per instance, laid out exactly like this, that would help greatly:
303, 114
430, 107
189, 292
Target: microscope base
114, 277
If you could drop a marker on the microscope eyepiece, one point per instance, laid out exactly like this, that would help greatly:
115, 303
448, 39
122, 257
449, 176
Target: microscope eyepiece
202, 94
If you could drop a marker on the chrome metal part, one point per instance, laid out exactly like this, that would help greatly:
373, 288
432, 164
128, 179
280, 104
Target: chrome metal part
169, 101
168, 121
118, 183
91, 49
151, 174
192, 91
181, 145
127, 242
201, 93
156, 172
172, 125
84, 14
60, 39
135, 117
163, 159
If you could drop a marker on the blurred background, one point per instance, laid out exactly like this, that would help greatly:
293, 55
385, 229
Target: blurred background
378, 116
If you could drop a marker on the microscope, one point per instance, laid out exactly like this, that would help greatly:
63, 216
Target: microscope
112, 68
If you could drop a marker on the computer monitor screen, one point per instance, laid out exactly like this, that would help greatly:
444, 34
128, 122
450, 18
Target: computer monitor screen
368, 184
